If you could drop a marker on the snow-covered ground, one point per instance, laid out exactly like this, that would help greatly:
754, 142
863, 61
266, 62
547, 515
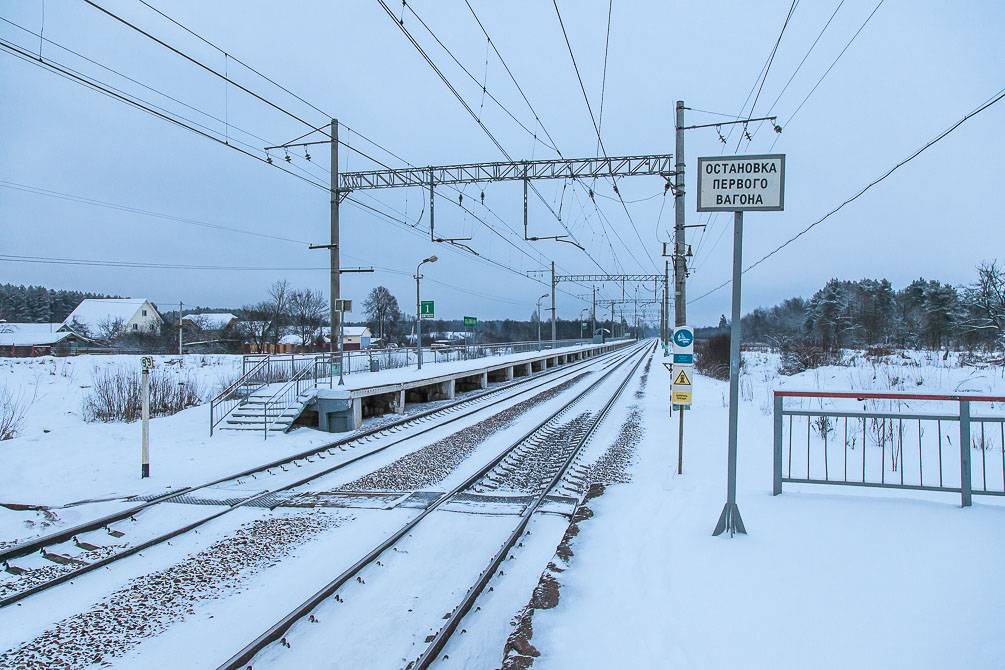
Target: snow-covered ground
827, 577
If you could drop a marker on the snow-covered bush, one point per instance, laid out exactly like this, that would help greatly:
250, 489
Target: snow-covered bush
116, 394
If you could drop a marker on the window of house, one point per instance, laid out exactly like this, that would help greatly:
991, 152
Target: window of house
136, 326
144, 312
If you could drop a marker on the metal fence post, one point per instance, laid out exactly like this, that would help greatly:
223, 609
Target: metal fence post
777, 483
965, 484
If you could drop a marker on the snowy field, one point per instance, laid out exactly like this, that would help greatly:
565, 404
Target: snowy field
828, 577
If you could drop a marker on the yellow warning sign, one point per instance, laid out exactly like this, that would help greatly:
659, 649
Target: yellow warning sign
681, 397
682, 380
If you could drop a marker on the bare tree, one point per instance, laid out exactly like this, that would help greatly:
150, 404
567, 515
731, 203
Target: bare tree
307, 314
381, 309
266, 321
111, 328
986, 300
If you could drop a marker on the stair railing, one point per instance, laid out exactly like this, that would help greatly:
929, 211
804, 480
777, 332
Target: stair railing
236, 394
309, 376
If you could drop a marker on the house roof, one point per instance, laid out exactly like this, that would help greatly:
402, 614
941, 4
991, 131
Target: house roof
92, 312
29, 334
210, 321
354, 331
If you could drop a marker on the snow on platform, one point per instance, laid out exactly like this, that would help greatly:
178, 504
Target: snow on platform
826, 577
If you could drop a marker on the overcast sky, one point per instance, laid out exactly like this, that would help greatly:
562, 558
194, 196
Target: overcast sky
914, 69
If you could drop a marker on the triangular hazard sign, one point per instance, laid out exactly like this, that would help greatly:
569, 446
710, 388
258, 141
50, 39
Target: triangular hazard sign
682, 380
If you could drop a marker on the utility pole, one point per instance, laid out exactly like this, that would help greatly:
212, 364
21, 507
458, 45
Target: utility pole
553, 330
336, 317
593, 330
180, 348
680, 289
666, 301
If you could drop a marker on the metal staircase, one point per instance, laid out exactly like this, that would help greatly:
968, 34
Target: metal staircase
272, 394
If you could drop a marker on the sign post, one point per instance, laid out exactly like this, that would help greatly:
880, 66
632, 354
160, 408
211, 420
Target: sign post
681, 374
738, 184
471, 322
342, 306
147, 364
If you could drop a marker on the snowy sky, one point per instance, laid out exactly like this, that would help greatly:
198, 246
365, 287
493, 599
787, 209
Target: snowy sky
915, 69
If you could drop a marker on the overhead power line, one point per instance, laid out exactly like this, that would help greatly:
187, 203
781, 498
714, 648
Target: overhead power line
831, 67
134, 210
596, 129
991, 101
767, 69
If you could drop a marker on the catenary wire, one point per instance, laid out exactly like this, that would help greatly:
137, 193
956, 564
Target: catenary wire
988, 103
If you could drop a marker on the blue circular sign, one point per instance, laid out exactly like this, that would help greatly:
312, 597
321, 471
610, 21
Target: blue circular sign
683, 337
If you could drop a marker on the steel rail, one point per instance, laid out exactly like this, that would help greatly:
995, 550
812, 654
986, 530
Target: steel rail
458, 613
63, 536
244, 657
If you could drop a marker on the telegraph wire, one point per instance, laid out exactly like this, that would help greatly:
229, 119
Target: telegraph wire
988, 103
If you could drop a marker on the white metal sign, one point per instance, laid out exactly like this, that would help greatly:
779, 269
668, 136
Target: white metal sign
680, 384
741, 183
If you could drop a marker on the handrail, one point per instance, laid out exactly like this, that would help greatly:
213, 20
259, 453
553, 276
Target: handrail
283, 393
889, 395
224, 395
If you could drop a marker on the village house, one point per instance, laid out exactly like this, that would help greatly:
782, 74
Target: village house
108, 318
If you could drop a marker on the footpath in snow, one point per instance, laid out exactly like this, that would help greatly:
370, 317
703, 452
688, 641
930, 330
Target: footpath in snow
827, 577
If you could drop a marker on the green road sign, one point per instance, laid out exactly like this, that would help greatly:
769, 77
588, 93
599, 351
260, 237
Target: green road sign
426, 309
470, 322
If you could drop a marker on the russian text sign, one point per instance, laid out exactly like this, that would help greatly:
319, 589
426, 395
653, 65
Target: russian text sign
426, 309
741, 183
470, 321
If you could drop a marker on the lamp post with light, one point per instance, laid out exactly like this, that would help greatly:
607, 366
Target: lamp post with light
418, 310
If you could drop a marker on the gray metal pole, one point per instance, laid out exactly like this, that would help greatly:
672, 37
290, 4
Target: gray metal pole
730, 517
965, 482
680, 289
666, 302
553, 329
418, 318
334, 250
181, 349
593, 330
539, 324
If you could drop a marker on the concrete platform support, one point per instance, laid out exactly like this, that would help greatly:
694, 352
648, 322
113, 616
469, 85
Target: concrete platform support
399, 404
509, 374
357, 413
449, 389
485, 380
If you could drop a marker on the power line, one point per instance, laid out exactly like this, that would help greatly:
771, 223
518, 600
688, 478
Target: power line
544, 129
134, 210
596, 129
69, 73
603, 79
824, 75
199, 63
799, 67
995, 98
471, 112
771, 59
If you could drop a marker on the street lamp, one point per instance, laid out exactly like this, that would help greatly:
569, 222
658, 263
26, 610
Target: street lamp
539, 319
418, 313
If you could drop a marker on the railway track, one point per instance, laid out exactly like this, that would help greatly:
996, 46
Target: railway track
530, 470
74, 552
